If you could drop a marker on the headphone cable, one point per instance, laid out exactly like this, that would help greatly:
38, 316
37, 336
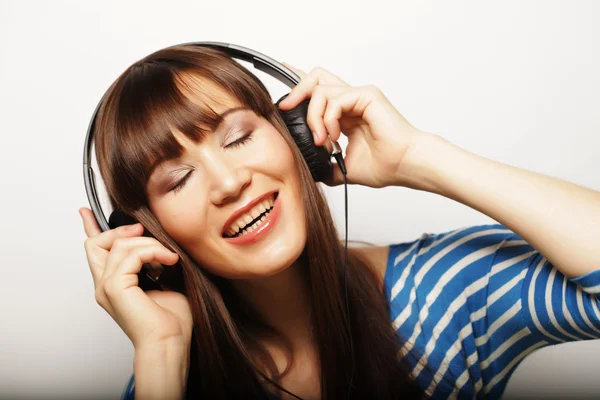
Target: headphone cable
337, 153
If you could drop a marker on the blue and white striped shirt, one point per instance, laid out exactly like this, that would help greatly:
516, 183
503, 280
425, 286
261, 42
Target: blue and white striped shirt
470, 304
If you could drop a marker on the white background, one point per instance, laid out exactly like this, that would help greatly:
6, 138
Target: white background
516, 81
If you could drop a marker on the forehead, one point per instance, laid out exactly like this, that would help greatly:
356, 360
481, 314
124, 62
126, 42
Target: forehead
205, 93
228, 115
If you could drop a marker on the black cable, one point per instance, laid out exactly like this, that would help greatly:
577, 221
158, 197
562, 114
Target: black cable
342, 165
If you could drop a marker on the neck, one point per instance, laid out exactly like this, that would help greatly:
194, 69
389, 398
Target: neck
282, 300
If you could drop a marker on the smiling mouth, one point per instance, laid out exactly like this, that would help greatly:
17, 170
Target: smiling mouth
251, 220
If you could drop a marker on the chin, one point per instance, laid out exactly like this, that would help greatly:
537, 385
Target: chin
275, 258
279, 259
272, 258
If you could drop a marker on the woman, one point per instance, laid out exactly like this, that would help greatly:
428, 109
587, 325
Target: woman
190, 144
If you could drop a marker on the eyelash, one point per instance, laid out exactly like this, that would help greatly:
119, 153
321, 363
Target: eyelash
181, 183
243, 140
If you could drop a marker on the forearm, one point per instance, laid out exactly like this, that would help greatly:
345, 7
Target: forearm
558, 218
161, 371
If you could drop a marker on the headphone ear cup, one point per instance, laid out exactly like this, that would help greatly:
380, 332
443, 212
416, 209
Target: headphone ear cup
317, 157
119, 218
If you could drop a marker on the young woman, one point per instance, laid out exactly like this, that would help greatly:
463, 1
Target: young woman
190, 144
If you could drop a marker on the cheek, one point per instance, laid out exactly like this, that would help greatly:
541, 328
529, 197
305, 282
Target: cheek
277, 158
183, 219
273, 154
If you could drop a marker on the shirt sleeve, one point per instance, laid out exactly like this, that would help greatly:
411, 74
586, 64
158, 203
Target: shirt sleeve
549, 308
472, 303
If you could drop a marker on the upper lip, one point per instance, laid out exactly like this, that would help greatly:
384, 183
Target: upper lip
245, 210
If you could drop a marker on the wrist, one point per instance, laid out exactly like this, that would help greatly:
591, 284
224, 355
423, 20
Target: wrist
175, 355
172, 344
161, 369
423, 166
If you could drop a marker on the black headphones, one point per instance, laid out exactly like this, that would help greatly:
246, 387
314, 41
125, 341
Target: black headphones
317, 158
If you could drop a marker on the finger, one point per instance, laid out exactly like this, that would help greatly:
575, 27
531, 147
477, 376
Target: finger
349, 101
90, 226
125, 276
317, 107
303, 90
328, 78
297, 70
96, 267
122, 247
132, 264
98, 256
314, 116
331, 120
328, 145
106, 239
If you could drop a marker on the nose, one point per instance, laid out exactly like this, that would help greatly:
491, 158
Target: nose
228, 179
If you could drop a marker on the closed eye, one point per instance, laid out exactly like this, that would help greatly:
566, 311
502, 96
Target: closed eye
244, 139
181, 183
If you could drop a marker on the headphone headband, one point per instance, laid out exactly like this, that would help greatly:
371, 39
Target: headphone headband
258, 60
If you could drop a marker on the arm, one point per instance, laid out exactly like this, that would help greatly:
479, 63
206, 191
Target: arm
558, 218
161, 371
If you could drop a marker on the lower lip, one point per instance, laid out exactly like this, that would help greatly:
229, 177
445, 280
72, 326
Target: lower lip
262, 230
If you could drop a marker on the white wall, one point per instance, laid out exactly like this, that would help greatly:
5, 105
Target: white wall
516, 81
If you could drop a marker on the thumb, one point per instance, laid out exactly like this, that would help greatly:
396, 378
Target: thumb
90, 226
297, 70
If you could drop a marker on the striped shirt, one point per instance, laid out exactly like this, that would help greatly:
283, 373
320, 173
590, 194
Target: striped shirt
470, 304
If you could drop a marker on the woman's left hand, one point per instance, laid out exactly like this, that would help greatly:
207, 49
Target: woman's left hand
379, 137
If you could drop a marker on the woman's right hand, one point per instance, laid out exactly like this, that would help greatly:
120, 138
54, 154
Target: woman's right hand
115, 257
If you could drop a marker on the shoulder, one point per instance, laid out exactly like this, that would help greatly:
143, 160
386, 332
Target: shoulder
436, 252
376, 257
458, 242
465, 238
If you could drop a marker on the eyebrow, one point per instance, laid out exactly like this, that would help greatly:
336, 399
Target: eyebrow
229, 111
221, 117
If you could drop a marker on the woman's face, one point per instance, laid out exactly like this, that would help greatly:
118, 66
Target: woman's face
217, 200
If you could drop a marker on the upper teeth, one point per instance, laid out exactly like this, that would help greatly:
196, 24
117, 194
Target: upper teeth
245, 219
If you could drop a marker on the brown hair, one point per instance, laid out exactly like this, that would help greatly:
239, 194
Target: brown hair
134, 131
